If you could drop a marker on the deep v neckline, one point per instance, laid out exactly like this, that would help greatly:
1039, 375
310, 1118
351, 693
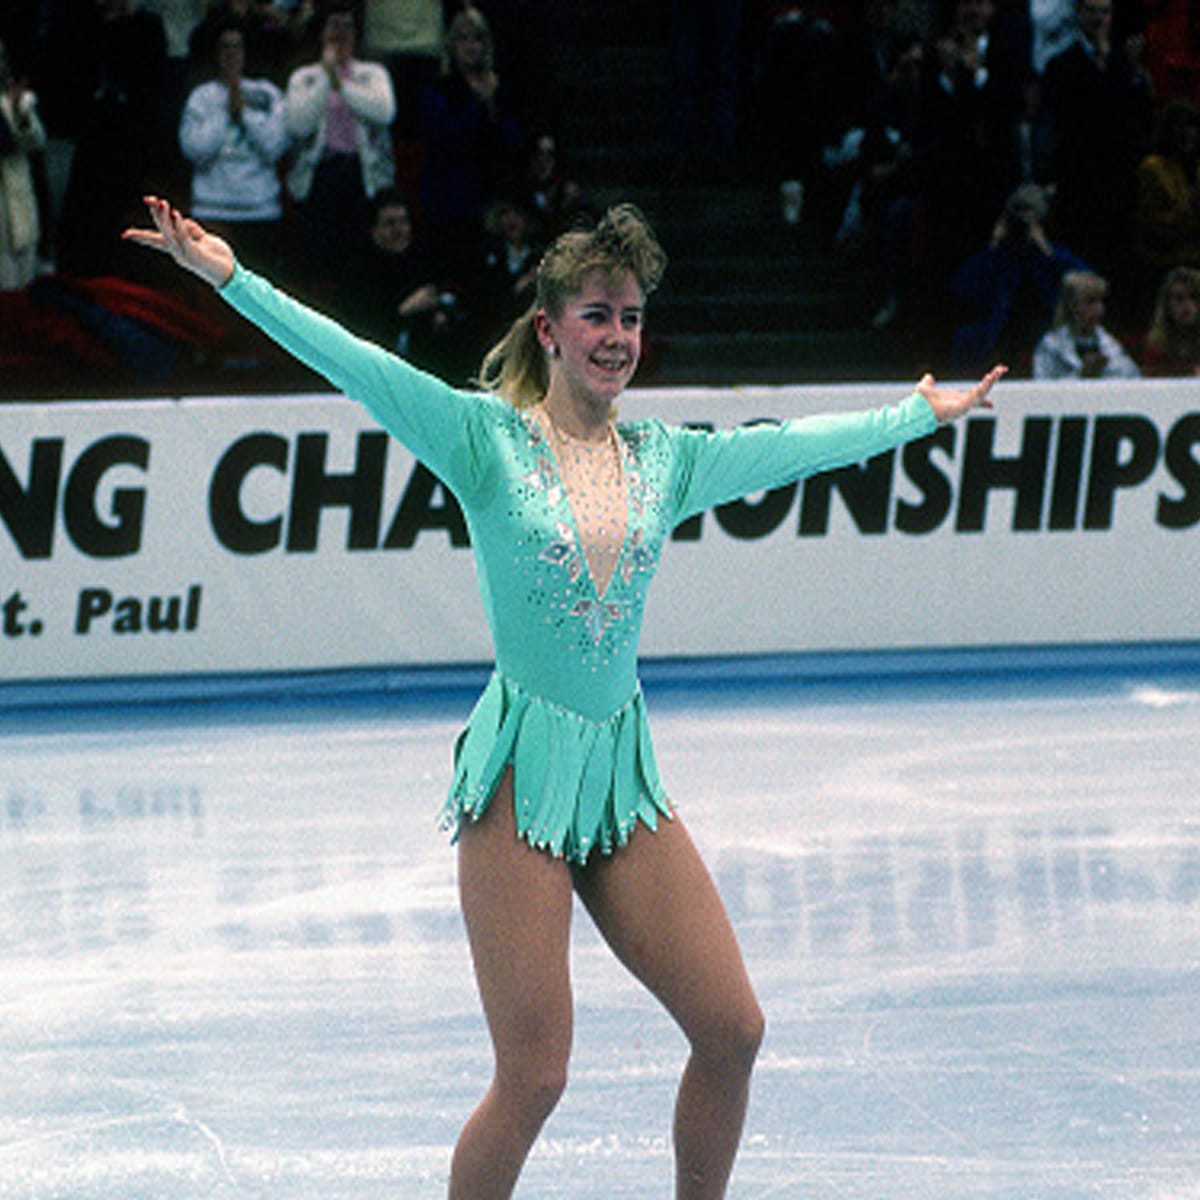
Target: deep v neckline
545, 431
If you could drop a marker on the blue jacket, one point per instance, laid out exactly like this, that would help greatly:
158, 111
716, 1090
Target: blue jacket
988, 285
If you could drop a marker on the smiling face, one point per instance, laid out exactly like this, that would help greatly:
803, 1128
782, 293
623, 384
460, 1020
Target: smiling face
596, 343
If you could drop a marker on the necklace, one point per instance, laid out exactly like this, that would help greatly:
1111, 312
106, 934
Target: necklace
583, 452
572, 437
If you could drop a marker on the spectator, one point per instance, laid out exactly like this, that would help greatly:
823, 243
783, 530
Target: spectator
866, 52
1054, 29
1008, 291
275, 36
471, 136
1168, 208
21, 137
340, 112
1101, 110
502, 287
1172, 344
121, 144
1031, 144
1078, 346
408, 37
795, 71
234, 133
524, 36
394, 294
880, 218
180, 19
969, 109
548, 189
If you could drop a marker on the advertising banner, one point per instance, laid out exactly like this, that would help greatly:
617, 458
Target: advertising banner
232, 534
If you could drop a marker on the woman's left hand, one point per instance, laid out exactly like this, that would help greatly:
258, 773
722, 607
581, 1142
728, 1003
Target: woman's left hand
949, 404
186, 241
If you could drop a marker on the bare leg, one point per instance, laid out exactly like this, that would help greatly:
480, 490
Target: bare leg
516, 902
658, 908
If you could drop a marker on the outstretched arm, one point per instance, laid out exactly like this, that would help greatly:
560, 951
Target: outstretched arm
430, 417
722, 466
186, 241
949, 404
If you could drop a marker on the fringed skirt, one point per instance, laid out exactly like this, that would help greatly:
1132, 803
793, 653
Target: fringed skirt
578, 785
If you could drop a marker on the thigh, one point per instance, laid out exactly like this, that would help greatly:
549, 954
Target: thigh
657, 906
516, 903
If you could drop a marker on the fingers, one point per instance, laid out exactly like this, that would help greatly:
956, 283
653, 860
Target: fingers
981, 391
158, 238
950, 404
169, 222
155, 238
146, 237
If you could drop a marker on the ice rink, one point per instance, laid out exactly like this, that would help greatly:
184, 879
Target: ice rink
231, 962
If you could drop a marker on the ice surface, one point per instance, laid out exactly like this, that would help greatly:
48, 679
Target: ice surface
231, 963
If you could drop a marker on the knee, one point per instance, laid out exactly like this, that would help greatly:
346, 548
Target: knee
748, 1033
532, 1091
544, 1091
734, 1039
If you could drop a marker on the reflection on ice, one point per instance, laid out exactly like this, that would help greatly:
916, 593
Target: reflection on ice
231, 962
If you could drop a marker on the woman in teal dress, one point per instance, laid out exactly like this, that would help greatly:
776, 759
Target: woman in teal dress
555, 790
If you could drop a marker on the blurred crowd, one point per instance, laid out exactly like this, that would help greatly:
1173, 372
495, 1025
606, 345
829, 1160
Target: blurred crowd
394, 161
1017, 179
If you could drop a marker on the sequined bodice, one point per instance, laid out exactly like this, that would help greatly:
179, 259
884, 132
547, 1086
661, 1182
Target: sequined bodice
564, 563
566, 607
593, 477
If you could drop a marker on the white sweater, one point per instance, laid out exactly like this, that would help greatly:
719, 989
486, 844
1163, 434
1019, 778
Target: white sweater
235, 173
1056, 356
368, 93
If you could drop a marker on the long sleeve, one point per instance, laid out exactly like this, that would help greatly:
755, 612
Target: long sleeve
367, 90
715, 468
21, 117
204, 125
1119, 365
307, 96
436, 422
1055, 357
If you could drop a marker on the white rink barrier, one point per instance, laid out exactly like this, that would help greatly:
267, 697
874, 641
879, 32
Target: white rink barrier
201, 536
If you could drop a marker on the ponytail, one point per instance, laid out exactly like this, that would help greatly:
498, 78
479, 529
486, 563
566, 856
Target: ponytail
515, 367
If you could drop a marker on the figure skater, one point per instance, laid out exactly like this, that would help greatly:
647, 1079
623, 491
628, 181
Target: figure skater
555, 789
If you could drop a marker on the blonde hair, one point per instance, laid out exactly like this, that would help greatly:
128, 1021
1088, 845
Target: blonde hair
622, 242
469, 20
1074, 286
1163, 335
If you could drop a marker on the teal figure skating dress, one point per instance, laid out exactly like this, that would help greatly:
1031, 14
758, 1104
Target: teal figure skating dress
563, 707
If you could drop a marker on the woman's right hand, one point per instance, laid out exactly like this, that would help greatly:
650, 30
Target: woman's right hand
186, 241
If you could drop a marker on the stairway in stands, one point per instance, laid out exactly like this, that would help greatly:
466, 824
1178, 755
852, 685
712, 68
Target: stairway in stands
746, 299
